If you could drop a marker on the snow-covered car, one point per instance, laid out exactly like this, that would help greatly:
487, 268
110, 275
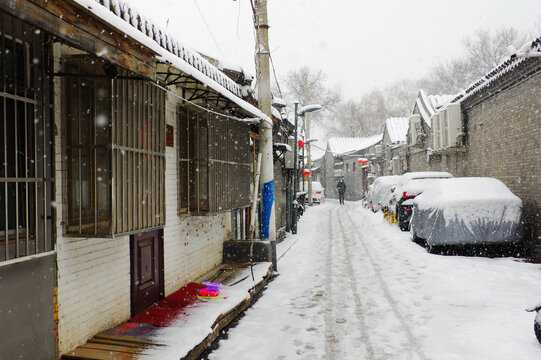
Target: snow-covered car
410, 185
318, 195
462, 211
379, 193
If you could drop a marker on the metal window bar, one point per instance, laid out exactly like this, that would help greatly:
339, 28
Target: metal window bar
220, 146
25, 175
137, 146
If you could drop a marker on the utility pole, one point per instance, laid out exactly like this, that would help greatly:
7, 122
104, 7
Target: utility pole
268, 222
307, 132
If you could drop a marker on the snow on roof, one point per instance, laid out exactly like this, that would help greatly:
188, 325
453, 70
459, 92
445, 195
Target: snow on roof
279, 102
287, 147
340, 146
428, 105
512, 63
120, 15
397, 128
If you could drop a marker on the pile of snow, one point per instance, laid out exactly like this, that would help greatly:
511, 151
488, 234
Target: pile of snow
467, 197
409, 180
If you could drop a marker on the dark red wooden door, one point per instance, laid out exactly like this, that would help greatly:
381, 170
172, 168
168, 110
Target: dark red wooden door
146, 252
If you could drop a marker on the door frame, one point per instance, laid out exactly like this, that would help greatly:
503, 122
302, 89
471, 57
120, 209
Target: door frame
134, 238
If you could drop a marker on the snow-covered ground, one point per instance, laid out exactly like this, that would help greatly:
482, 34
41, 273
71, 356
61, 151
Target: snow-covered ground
351, 286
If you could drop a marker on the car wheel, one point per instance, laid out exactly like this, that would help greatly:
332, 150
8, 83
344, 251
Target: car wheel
418, 240
433, 249
537, 326
403, 225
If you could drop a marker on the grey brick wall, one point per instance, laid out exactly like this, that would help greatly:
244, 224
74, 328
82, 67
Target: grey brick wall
505, 142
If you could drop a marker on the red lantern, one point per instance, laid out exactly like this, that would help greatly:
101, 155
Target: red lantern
306, 172
362, 161
301, 143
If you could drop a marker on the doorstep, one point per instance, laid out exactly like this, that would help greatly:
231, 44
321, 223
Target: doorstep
180, 326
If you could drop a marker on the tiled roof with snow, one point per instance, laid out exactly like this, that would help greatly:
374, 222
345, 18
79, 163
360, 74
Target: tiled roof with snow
428, 105
397, 128
514, 62
341, 146
165, 40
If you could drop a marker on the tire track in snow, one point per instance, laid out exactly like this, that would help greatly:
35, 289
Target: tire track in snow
337, 325
329, 316
414, 347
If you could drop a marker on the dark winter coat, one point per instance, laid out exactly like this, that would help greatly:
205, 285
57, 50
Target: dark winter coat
341, 187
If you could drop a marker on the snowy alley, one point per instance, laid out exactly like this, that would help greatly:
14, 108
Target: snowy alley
351, 286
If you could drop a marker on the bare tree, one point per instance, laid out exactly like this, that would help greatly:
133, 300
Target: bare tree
361, 118
400, 97
308, 86
482, 52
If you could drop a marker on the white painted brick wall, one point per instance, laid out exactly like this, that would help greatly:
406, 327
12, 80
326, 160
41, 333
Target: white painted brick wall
93, 287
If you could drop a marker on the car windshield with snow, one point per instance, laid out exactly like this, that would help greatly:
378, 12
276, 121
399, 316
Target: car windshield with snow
410, 185
466, 211
379, 193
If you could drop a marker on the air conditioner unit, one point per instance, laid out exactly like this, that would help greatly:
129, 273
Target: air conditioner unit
444, 128
379, 150
436, 144
415, 130
338, 173
453, 125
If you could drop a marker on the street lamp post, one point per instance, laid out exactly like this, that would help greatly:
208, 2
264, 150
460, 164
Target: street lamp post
302, 112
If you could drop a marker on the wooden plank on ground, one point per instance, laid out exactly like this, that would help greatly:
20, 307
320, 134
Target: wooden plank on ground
127, 339
95, 354
112, 348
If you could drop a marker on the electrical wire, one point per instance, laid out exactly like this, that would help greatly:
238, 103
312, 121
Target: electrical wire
208, 27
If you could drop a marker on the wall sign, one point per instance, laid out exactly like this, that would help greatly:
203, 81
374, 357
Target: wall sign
169, 135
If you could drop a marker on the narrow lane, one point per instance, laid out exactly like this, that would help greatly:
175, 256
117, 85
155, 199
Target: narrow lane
345, 324
351, 286
381, 307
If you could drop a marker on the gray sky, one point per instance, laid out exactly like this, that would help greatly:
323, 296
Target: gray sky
359, 44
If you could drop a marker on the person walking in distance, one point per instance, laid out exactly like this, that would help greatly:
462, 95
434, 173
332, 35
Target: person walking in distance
341, 187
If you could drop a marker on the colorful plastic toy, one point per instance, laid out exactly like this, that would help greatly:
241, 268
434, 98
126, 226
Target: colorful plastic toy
212, 289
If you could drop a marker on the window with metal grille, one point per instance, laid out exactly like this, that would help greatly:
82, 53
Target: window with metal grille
214, 162
26, 183
115, 145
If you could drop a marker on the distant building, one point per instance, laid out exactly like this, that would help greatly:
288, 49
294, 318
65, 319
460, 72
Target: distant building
341, 160
392, 154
